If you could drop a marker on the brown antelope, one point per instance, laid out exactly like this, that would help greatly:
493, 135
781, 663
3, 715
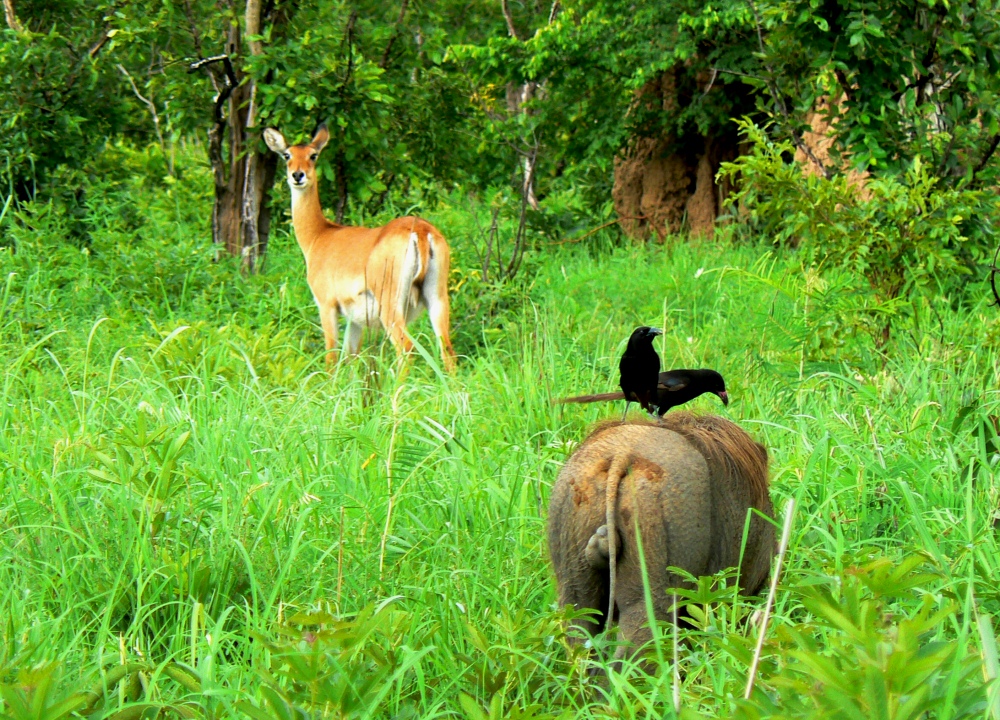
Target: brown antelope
386, 274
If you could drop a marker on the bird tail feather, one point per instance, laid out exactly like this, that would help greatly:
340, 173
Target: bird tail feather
590, 398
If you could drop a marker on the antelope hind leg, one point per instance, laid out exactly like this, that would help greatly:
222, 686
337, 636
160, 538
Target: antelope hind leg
435, 297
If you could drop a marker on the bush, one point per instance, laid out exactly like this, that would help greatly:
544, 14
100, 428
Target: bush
902, 235
861, 655
58, 104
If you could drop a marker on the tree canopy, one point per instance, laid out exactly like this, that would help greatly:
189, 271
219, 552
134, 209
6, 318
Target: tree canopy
539, 98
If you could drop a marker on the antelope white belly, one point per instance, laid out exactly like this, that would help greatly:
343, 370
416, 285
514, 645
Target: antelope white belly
362, 310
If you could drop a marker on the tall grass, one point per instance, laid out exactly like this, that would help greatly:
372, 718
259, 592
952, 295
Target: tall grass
185, 493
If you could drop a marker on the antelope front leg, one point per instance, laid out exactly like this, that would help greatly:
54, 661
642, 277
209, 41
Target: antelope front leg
352, 338
328, 319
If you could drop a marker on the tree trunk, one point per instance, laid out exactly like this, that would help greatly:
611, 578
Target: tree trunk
256, 217
241, 217
517, 97
12, 22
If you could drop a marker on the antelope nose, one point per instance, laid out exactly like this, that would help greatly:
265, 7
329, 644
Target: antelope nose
298, 176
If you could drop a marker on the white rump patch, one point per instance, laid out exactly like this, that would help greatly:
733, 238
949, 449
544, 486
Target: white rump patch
409, 297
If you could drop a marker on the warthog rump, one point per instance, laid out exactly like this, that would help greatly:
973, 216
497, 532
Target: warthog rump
686, 483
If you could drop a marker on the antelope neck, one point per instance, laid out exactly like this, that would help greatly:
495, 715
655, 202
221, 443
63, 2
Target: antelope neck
307, 217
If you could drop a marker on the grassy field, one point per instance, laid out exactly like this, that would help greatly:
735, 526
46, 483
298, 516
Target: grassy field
195, 518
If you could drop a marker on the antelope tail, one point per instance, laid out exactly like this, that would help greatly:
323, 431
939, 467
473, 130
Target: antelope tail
601, 397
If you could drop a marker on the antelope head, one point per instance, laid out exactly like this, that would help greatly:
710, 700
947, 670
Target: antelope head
300, 160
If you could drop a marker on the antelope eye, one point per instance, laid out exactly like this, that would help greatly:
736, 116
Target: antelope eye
312, 157
287, 156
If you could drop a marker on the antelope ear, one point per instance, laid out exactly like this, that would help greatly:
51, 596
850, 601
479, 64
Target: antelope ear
275, 140
321, 137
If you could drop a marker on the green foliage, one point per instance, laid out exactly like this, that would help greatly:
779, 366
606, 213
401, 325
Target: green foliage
905, 236
186, 353
147, 463
59, 102
897, 82
179, 479
40, 693
377, 78
326, 667
917, 79
585, 112
877, 662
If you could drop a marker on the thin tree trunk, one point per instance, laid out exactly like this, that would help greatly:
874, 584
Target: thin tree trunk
251, 188
241, 219
517, 98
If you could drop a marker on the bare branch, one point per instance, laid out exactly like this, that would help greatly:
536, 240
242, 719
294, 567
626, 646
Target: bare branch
556, 7
230, 77
101, 42
760, 31
395, 35
737, 73
505, 7
349, 41
779, 101
981, 165
150, 105
711, 82
12, 22
193, 26
224, 59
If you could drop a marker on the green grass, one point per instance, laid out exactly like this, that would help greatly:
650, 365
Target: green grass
183, 487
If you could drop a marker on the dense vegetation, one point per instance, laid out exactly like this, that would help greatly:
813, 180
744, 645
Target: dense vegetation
197, 520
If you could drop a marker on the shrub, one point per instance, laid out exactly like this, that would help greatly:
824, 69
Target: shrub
901, 235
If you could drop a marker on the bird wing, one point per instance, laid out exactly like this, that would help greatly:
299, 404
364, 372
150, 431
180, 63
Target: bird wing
672, 383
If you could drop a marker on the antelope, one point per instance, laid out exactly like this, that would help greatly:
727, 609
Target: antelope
386, 274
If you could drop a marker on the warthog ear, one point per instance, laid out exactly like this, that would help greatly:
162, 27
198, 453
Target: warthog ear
320, 138
275, 140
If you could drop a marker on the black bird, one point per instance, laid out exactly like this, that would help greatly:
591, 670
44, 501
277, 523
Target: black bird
676, 387
673, 388
639, 369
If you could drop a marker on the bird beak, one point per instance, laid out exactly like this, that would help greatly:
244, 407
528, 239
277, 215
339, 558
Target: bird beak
655, 331
724, 396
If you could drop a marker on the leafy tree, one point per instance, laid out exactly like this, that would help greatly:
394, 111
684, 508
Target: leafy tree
900, 80
592, 59
913, 79
373, 71
59, 93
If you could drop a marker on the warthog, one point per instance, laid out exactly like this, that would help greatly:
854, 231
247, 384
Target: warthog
686, 484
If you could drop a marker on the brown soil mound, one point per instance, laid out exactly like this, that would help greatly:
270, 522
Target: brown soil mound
819, 139
664, 186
